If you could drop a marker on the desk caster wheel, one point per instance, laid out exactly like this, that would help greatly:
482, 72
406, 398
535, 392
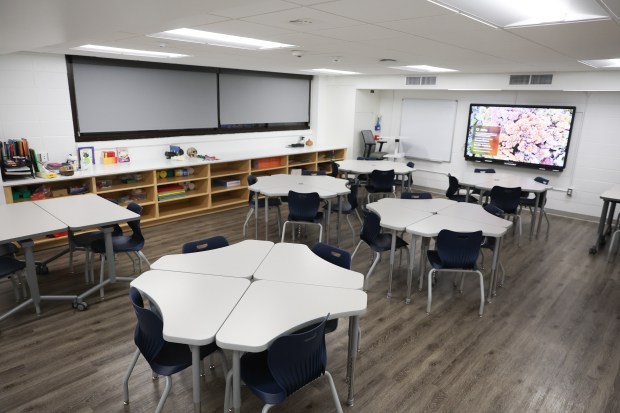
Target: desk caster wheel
82, 306
593, 250
42, 269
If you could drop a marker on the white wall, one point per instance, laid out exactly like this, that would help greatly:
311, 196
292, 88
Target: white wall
593, 160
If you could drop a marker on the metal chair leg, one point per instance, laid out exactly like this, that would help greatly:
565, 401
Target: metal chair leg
132, 364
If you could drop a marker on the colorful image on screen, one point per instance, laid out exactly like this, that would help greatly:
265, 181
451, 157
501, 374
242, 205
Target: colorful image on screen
533, 136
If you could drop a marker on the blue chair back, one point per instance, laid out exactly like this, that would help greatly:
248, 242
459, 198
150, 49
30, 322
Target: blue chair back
352, 197
459, 249
335, 169
506, 199
381, 181
335, 255
136, 236
416, 195
251, 181
207, 244
484, 170
297, 359
148, 334
303, 206
309, 172
453, 186
371, 228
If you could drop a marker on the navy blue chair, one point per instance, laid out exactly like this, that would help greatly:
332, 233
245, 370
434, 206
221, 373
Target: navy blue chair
84, 242
526, 201
207, 244
455, 252
377, 242
380, 182
308, 172
292, 362
349, 207
12, 268
453, 191
164, 358
335, 169
303, 208
273, 202
133, 243
416, 195
508, 199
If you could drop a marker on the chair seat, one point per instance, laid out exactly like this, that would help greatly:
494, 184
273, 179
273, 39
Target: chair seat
10, 265
435, 261
273, 202
86, 239
317, 218
528, 202
123, 243
255, 373
383, 242
346, 207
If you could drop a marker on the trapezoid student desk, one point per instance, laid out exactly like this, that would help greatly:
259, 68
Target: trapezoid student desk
20, 223
279, 185
609, 197
81, 212
270, 309
486, 182
460, 217
359, 167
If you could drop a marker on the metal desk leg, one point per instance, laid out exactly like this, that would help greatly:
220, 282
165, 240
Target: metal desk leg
354, 324
338, 220
423, 249
412, 247
610, 219
329, 217
540, 213
392, 251
600, 238
196, 376
535, 216
256, 215
493, 280
109, 253
266, 218
31, 278
236, 359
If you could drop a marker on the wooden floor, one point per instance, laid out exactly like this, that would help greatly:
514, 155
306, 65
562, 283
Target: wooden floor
549, 342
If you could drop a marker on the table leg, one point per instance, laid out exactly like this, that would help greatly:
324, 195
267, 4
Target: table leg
256, 215
266, 218
423, 249
540, 213
392, 253
535, 216
610, 219
412, 248
329, 217
236, 359
109, 253
351, 357
338, 220
494, 265
600, 239
196, 376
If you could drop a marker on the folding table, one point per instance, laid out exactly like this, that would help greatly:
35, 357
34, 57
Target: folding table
609, 197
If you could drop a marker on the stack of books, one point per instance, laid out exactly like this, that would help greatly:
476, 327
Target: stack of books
167, 192
15, 160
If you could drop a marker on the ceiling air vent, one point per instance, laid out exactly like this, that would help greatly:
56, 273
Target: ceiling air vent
421, 80
530, 79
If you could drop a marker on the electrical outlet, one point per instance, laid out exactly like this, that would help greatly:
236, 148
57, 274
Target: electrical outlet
569, 192
43, 157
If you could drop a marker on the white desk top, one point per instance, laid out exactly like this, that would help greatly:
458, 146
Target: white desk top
26, 220
238, 260
269, 309
430, 227
427, 205
396, 216
86, 211
612, 194
474, 212
487, 181
193, 306
296, 263
279, 185
366, 167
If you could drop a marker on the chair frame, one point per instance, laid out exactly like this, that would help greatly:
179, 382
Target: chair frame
510, 210
316, 200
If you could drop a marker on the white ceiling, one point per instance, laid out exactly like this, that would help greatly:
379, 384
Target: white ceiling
344, 34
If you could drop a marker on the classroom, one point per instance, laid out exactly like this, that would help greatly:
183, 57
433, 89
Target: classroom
135, 107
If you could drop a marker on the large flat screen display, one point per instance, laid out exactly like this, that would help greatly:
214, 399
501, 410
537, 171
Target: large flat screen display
519, 135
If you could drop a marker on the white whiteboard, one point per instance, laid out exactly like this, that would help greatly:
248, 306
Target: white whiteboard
427, 128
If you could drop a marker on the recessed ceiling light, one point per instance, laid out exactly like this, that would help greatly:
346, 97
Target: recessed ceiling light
218, 39
424, 69
602, 63
511, 14
333, 71
128, 52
